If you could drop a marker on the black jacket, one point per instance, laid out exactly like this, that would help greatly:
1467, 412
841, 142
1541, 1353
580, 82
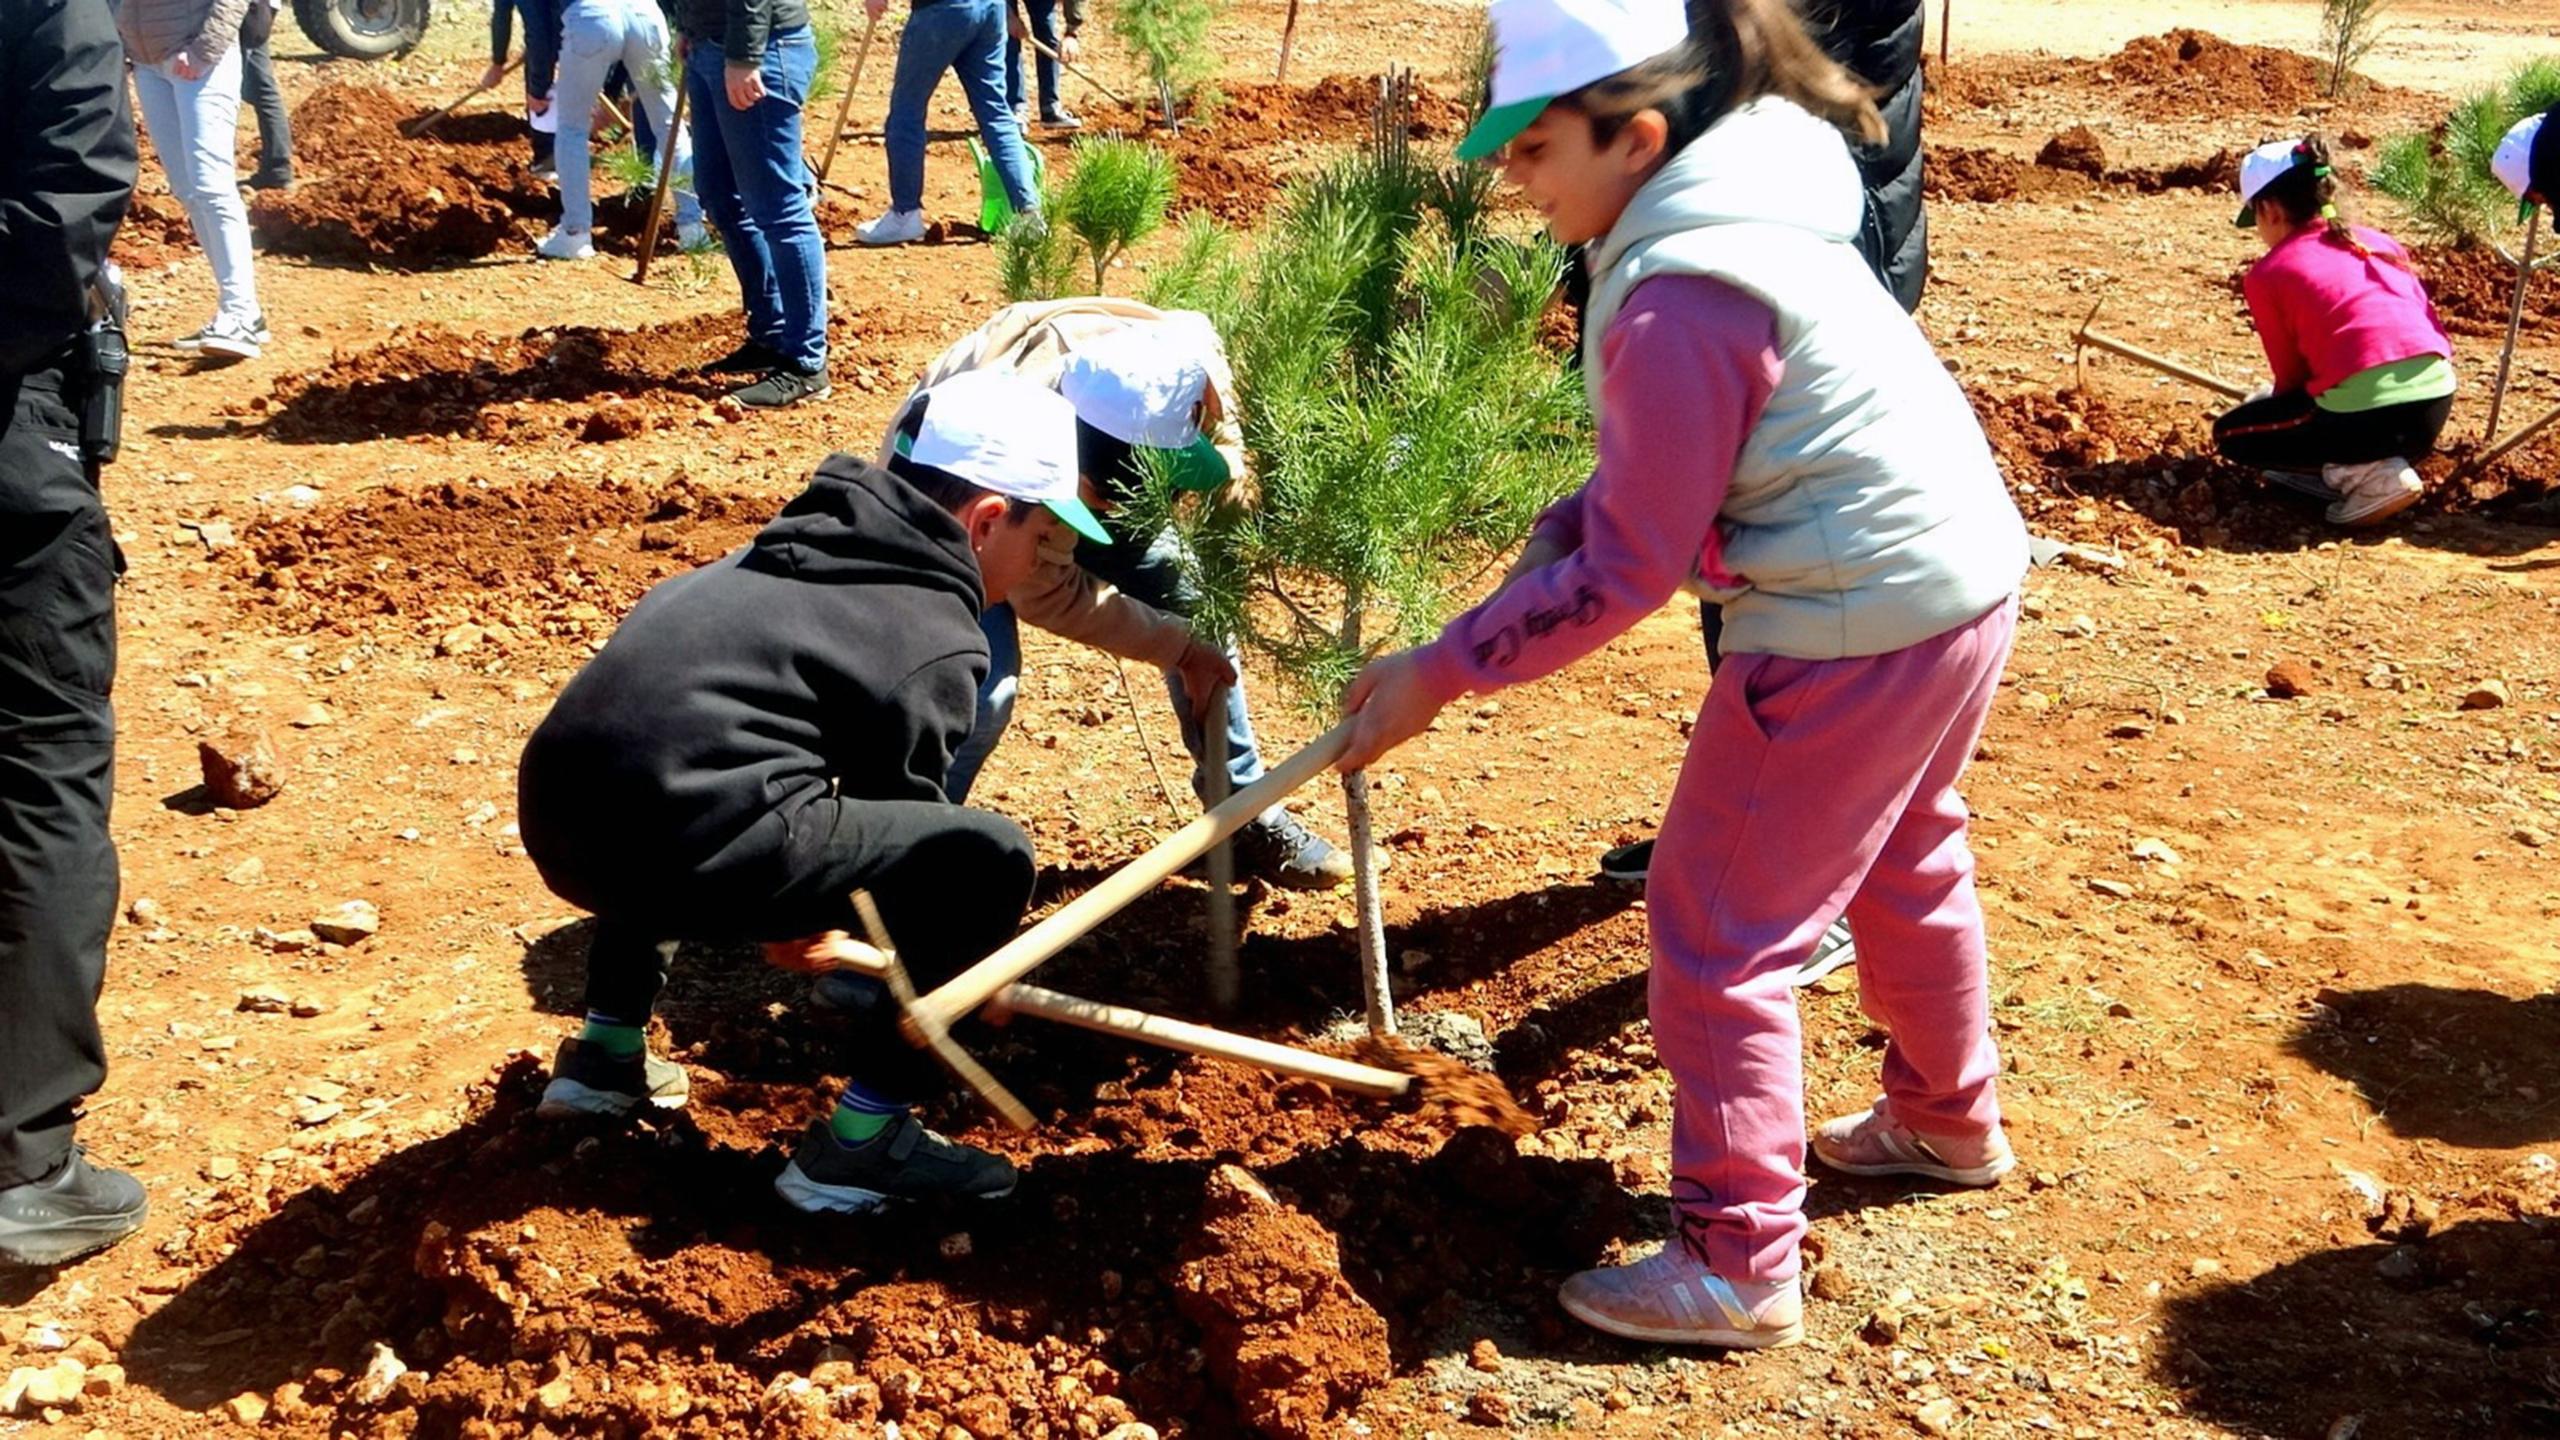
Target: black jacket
838, 652
66, 169
1880, 41
739, 27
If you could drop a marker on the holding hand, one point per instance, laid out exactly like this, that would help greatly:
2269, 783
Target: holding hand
1070, 49
746, 86
819, 954
875, 8
1205, 674
496, 72
1390, 705
186, 66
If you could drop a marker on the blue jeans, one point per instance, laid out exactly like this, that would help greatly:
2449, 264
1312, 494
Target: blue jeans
755, 184
594, 36
1150, 571
965, 37
1044, 28
193, 124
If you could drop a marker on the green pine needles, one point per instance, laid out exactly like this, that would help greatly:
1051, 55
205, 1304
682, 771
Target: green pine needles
1172, 37
1113, 195
2442, 178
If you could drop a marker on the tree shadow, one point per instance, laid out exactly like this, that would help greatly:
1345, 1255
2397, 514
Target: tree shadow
2455, 1335
2466, 1067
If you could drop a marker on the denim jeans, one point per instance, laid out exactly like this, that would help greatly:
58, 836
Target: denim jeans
1044, 28
595, 34
755, 184
258, 89
965, 37
193, 124
1152, 572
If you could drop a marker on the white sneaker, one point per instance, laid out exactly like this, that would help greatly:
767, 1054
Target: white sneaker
2371, 494
227, 339
566, 245
1670, 1298
898, 227
693, 235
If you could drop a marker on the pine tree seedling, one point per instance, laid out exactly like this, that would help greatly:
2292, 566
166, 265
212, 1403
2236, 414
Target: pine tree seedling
2348, 32
1115, 196
1172, 37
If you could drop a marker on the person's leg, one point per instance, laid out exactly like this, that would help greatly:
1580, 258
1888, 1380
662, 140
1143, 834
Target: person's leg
980, 66
1150, 570
57, 863
1044, 28
266, 98
926, 48
2280, 432
773, 178
646, 46
590, 42
1017, 93
718, 138
995, 701
208, 128
2361, 437
606, 1068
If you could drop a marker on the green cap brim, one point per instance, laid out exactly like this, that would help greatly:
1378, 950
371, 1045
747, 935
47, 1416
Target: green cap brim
1500, 126
2248, 215
2524, 208
1080, 518
1196, 467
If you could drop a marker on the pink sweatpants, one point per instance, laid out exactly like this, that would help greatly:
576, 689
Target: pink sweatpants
1812, 787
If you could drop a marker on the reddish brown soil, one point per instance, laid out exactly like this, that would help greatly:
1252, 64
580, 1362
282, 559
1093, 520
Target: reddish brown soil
2191, 72
1233, 164
1977, 176
156, 232
2077, 150
2475, 292
1288, 1337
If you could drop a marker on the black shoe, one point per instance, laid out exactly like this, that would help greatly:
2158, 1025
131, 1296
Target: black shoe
76, 1211
1281, 849
270, 180
752, 358
904, 1162
786, 385
1630, 863
589, 1080
1062, 120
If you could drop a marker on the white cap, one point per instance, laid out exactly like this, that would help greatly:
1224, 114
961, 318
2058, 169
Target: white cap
1141, 384
2513, 162
1546, 48
2263, 167
1003, 433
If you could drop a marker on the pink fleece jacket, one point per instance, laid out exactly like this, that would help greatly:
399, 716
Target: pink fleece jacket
2326, 313
1691, 363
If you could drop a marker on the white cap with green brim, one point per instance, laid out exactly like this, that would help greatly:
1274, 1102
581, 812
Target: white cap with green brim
1546, 48
2513, 162
1144, 385
2265, 166
1008, 435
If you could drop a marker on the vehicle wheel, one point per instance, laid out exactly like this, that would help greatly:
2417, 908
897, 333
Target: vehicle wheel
363, 29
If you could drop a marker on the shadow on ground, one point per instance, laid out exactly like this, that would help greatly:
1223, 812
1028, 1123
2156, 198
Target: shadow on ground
2466, 1067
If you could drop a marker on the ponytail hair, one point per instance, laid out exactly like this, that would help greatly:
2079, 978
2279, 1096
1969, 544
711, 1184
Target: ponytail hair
1737, 51
2309, 192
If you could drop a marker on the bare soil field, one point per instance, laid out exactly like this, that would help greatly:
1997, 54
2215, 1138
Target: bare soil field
2267, 820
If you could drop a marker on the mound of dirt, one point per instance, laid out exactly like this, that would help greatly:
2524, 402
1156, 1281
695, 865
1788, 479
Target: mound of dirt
2217, 171
1967, 175
2076, 150
2474, 291
1225, 162
1284, 1333
155, 232
559, 558
599, 384
2194, 72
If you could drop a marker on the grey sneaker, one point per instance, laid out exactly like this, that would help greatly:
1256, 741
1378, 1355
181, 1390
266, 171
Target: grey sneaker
586, 1080
1281, 849
258, 332
77, 1210
1835, 949
785, 385
904, 1162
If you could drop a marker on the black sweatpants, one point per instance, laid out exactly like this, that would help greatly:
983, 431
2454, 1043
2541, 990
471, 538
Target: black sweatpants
58, 567
258, 86
2291, 432
951, 883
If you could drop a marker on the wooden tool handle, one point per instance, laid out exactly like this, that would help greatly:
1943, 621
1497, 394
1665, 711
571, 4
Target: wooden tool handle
1193, 1039
2161, 363
1027, 951
844, 106
1077, 71
658, 198
2497, 452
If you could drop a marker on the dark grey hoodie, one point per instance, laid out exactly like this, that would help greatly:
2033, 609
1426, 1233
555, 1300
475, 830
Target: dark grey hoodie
837, 653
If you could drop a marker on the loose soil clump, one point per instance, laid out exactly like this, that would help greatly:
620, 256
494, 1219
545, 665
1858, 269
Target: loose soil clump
1225, 162
1287, 1336
2474, 290
156, 232
2077, 150
2193, 72
1985, 177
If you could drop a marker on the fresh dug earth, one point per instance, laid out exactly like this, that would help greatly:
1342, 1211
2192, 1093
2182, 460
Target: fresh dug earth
559, 558
387, 199
2069, 167
1233, 163
2475, 292
155, 232
1286, 1335
2187, 73
574, 381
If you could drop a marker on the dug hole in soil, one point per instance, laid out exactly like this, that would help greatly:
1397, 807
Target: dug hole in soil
1231, 162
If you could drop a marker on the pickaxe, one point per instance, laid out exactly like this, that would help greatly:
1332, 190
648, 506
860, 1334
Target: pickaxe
2089, 334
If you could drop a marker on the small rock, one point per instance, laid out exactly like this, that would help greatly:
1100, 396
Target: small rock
460, 640
48, 1339
265, 1000
352, 923
381, 1372
957, 1245
1134, 1430
1830, 1282
146, 912
246, 1408
308, 1112
2112, 889
1484, 1355
306, 1007
2487, 695
1489, 1407
2291, 680
251, 871
2398, 1266
2529, 837
2155, 851
1938, 1417
285, 942
2081, 626
2205, 1266
221, 1168
552, 1401
241, 769
217, 536
104, 1380
312, 717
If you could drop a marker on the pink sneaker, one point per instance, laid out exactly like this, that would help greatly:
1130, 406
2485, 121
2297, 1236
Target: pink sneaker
1872, 1142
1672, 1298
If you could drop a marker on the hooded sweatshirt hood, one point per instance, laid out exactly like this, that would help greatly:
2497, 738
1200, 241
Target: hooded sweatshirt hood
836, 653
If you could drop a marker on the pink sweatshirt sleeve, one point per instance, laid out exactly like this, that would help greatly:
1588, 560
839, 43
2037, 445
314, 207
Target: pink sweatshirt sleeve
1691, 362
2266, 286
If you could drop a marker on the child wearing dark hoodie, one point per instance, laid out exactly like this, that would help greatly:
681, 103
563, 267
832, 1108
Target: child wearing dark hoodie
765, 735
1775, 432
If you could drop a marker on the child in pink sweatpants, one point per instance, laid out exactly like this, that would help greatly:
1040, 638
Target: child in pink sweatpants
1776, 433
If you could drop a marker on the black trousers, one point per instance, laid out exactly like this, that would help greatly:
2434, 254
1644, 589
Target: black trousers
2291, 432
951, 883
258, 87
58, 568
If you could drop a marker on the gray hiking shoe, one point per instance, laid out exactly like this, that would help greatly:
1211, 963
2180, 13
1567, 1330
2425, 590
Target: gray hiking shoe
904, 1162
785, 385
77, 1210
587, 1080
1281, 849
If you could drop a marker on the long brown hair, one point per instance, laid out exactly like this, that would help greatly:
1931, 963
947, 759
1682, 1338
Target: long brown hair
1737, 52
2309, 192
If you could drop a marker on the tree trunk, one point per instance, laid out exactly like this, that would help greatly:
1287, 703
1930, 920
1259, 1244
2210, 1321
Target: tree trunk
1224, 979
1374, 991
1288, 36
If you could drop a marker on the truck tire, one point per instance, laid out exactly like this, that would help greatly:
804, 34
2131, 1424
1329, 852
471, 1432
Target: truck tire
363, 29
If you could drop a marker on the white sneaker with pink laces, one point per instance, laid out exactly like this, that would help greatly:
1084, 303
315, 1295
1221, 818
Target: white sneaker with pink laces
1672, 1298
1872, 1142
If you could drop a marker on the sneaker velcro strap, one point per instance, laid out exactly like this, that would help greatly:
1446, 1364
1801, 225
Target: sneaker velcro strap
904, 1139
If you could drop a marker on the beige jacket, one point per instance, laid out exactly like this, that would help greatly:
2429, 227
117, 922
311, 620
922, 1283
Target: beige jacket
1033, 340
154, 30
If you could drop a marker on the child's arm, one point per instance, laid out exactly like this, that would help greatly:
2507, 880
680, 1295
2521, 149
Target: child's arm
2265, 291
1691, 362
1068, 600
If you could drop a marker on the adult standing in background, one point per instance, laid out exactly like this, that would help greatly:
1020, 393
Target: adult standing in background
541, 67
1043, 17
265, 97
596, 37
186, 73
965, 38
749, 64
64, 185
